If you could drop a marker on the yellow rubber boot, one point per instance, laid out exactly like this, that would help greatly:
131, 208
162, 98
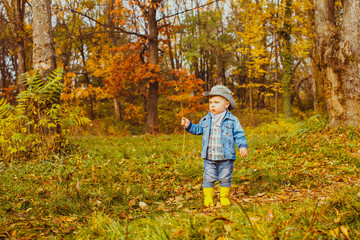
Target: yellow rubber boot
224, 196
208, 194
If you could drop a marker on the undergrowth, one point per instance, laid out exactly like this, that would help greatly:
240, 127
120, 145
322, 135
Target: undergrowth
36, 128
300, 180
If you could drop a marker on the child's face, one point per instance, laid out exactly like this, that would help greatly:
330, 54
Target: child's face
218, 104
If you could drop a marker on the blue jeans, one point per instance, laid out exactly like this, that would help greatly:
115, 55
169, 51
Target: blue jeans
217, 171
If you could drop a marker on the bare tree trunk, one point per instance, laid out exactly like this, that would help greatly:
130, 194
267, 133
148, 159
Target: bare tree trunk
276, 80
152, 107
317, 84
219, 73
288, 62
117, 108
44, 52
251, 98
20, 43
3, 66
339, 52
15, 9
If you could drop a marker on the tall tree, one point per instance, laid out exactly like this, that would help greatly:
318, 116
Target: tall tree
288, 61
152, 119
338, 42
14, 19
19, 34
44, 51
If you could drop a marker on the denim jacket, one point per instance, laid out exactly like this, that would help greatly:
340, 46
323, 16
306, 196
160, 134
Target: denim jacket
231, 133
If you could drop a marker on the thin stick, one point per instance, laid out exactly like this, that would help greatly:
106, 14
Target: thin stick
184, 132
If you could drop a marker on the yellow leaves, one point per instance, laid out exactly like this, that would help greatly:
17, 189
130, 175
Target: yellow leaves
341, 232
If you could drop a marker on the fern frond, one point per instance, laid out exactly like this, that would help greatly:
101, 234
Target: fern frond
82, 121
39, 94
5, 108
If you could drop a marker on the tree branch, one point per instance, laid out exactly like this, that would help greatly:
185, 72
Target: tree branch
187, 10
105, 25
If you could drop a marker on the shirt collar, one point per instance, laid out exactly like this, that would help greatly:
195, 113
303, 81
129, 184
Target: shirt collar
217, 118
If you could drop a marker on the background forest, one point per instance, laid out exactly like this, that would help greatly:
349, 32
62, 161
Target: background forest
87, 86
114, 76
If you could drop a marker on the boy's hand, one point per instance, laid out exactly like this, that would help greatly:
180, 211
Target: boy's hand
185, 122
243, 152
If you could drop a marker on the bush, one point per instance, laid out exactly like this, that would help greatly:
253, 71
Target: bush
37, 127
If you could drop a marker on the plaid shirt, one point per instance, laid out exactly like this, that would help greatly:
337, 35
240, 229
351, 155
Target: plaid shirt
215, 151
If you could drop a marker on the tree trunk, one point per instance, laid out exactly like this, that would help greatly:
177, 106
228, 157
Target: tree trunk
251, 98
117, 108
288, 63
20, 43
219, 68
44, 52
276, 80
3, 66
152, 107
114, 42
91, 97
339, 52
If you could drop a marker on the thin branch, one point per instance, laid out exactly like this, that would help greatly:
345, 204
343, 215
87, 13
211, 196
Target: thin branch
105, 25
163, 26
187, 10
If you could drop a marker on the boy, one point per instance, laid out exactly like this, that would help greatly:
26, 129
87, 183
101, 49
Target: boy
220, 130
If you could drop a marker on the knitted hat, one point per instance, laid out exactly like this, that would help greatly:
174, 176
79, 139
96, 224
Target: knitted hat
220, 90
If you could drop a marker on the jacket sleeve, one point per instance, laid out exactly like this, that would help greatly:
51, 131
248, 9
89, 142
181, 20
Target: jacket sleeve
195, 129
239, 135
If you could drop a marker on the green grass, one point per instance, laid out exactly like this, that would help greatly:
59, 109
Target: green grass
300, 181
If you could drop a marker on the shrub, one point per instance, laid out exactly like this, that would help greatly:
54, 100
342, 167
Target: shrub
39, 124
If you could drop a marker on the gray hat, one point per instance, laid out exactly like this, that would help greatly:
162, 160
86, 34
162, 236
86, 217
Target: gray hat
220, 90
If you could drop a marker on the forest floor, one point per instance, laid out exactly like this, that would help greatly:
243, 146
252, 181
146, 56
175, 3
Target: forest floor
300, 181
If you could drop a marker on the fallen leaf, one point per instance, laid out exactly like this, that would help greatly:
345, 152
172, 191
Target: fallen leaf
334, 232
77, 185
228, 227
254, 219
143, 206
345, 231
132, 203
161, 206
270, 215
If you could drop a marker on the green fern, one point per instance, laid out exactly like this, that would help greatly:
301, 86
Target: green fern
5, 108
39, 94
39, 125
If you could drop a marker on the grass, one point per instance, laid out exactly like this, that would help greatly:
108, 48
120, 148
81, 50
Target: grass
300, 181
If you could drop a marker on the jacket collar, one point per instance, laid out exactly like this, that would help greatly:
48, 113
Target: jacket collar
228, 115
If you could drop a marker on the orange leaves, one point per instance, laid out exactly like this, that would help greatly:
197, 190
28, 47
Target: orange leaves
187, 91
270, 215
70, 92
133, 112
128, 70
7, 92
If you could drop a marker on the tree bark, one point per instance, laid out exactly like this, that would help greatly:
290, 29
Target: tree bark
152, 107
44, 51
117, 108
20, 41
276, 77
288, 62
339, 51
